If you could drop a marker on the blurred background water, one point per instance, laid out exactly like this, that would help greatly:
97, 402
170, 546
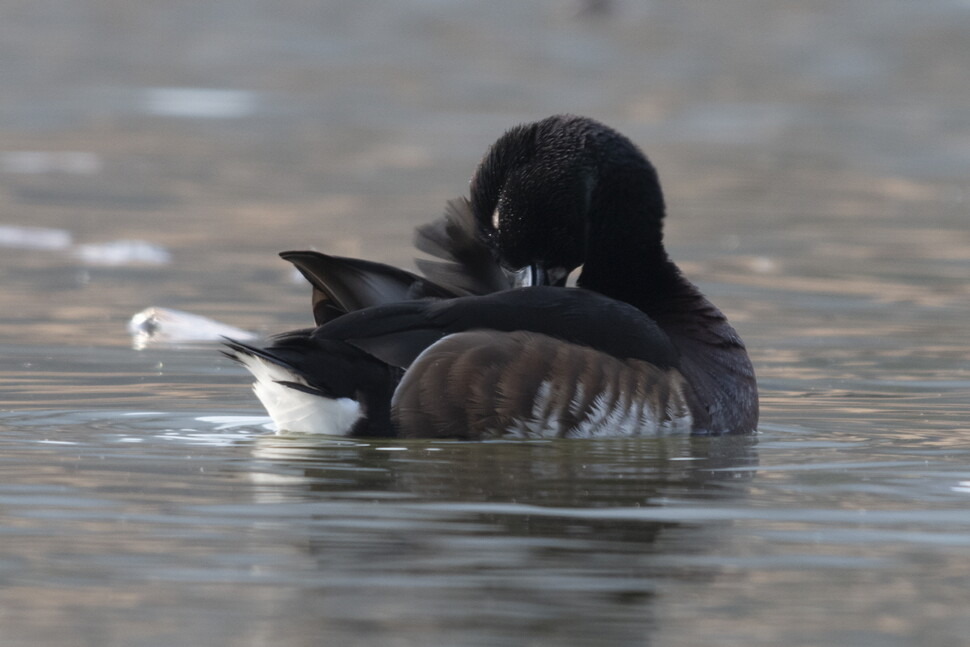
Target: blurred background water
815, 157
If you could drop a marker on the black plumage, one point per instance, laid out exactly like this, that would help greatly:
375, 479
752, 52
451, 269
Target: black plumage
638, 349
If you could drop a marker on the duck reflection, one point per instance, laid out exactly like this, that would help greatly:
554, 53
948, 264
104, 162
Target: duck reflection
558, 540
551, 487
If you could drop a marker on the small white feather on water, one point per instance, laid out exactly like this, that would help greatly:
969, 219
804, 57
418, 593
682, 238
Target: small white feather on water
164, 326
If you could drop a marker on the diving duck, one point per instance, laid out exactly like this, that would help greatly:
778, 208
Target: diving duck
489, 343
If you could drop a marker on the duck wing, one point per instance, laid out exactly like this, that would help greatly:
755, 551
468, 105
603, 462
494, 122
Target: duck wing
467, 267
397, 333
342, 285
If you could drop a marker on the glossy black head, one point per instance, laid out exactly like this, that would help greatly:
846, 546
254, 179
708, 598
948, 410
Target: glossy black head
546, 190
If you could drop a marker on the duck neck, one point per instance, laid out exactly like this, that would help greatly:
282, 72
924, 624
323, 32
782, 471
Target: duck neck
625, 256
641, 274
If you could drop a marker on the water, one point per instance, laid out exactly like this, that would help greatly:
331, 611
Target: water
815, 160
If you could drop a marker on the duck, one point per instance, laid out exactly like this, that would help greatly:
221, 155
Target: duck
490, 342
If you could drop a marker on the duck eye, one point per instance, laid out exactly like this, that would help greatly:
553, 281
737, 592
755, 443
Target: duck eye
495, 219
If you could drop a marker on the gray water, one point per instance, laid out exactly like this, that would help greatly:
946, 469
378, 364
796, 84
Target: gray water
815, 157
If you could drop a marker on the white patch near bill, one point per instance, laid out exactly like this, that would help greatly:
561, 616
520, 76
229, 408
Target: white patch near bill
298, 411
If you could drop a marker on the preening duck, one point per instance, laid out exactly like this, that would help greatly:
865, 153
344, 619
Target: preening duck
634, 349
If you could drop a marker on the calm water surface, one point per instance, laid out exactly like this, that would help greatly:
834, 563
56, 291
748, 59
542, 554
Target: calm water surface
815, 159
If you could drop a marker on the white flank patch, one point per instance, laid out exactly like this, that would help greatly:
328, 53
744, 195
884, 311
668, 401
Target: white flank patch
608, 415
293, 410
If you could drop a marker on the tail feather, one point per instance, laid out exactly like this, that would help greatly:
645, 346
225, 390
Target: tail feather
290, 401
319, 386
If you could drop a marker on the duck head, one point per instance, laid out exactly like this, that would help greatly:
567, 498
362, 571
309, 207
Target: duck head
566, 191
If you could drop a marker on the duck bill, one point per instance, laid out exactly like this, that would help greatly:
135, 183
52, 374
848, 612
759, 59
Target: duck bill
536, 274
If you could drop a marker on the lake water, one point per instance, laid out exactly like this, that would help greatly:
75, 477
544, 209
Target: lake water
815, 157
